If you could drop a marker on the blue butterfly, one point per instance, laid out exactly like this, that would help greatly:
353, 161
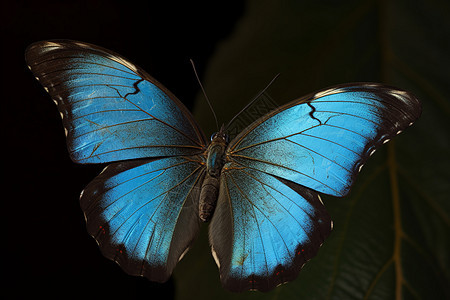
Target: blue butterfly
259, 191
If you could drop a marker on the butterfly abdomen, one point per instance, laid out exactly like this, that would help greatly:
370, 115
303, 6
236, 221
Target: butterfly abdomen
210, 186
208, 197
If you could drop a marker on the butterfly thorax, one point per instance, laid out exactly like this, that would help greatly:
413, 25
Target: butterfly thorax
215, 155
215, 159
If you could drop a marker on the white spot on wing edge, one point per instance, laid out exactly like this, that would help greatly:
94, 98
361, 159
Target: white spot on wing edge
277, 284
320, 199
331, 91
320, 94
84, 214
400, 95
123, 62
216, 259
104, 169
80, 44
183, 254
51, 44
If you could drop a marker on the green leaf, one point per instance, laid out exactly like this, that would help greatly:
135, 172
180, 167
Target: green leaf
391, 234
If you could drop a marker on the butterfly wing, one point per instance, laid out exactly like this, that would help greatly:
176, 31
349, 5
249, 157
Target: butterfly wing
321, 141
268, 220
264, 229
112, 110
144, 213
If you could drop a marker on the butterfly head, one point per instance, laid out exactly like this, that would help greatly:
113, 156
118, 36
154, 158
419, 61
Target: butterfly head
220, 136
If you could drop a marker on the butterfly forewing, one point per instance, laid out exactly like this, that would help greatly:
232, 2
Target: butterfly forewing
321, 141
111, 109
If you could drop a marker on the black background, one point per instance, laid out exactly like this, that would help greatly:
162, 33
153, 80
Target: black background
48, 251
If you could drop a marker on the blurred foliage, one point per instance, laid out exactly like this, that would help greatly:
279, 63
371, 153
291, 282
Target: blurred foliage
391, 234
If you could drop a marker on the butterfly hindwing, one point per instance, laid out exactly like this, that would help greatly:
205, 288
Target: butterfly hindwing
264, 229
322, 140
112, 110
144, 213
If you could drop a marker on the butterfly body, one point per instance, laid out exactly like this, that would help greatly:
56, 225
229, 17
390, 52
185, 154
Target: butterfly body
260, 191
215, 159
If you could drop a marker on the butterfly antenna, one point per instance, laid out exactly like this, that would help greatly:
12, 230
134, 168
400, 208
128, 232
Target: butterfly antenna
254, 99
204, 93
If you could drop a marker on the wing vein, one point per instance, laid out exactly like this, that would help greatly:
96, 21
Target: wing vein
293, 134
283, 167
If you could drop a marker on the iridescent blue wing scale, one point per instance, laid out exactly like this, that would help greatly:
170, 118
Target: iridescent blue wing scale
321, 141
269, 219
144, 213
112, 110
264, 229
